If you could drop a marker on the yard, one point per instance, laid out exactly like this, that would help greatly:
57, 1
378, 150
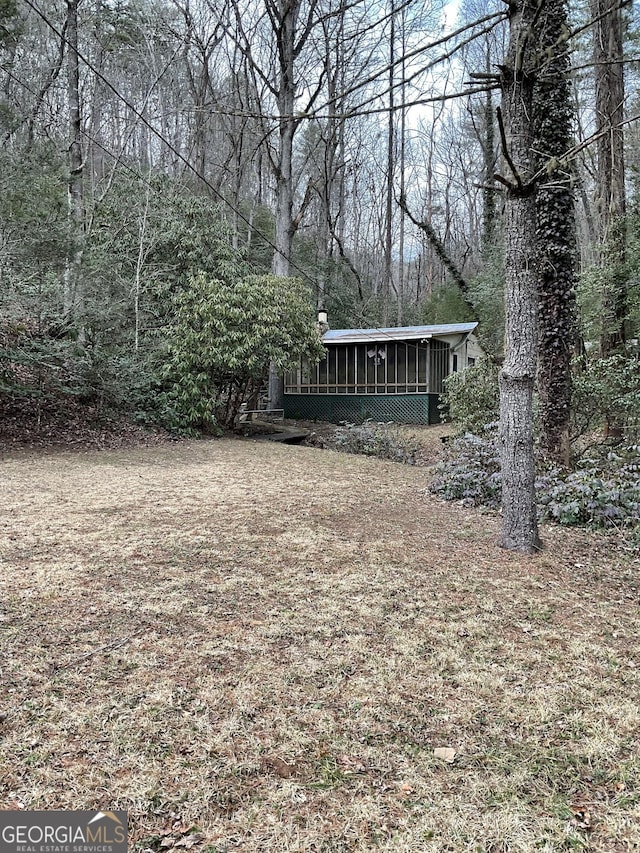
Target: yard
256, 647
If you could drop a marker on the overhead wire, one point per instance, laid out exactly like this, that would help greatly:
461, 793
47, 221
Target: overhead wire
168, 144
140, 116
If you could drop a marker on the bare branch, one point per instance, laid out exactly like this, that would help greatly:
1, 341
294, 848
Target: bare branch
496, 17
554, 163
507, 156
442, 254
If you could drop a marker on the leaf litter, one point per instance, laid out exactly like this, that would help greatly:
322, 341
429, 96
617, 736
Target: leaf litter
257, 647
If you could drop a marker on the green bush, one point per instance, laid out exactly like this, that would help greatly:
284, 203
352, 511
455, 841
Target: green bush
471, 398
33, 363
607, 393
471, 472
601, 496
224, 338
604, 492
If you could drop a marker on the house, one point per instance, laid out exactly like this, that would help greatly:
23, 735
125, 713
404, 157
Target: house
391, 374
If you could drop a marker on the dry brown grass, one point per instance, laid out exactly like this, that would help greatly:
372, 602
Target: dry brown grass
263, 645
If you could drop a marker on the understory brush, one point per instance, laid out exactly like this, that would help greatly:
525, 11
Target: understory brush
602, 492
382, 440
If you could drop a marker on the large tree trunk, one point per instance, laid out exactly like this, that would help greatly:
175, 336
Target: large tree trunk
391, 159
284, 15
72, 283
284, 230
284, 200
609, 81
556, 236
517, 377
489, 207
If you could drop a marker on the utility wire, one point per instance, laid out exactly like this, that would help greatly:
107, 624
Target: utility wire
383, 334
166, 142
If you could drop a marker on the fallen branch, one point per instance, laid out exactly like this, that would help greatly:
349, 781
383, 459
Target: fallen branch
114, 644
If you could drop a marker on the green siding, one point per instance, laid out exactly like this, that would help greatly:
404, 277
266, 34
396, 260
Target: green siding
355, 408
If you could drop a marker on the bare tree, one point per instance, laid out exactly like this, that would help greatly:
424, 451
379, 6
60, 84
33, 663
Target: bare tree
72, 284
608, 27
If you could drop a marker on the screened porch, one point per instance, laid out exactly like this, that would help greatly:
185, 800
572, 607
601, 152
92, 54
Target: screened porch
393, 374
383, 367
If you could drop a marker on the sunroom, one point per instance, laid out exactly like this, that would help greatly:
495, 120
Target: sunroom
393, 374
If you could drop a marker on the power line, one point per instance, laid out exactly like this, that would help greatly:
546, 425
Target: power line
166, 142
383, 334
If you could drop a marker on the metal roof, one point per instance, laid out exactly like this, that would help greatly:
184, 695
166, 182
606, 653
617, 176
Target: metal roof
399, 333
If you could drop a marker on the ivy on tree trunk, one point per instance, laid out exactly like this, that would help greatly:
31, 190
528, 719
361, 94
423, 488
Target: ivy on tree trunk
555, 233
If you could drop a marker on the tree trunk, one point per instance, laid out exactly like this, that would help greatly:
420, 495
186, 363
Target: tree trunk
609, 83
388, 216
402, 158
489, 207
517, 377
285, 14
284, 199
72, 285
556, 236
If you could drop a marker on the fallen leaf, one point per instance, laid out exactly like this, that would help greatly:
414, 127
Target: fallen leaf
280, 767
581, 817
351, 765
446, 753
188, 841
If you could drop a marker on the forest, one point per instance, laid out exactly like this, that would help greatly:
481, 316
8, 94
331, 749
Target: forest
238, 644
169, 166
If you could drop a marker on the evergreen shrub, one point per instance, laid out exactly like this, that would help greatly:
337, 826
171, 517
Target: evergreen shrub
607, 393
225, 336
471, 398
603, 492
382, 440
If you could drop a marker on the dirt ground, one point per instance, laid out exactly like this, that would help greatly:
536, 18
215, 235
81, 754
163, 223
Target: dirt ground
259, 647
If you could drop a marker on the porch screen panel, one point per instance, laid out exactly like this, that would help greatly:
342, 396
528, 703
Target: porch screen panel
422, 368
412, 367
351, 369
341, 369
380, 360
401, 369
323, 370
371, 369
391, 367
438, 365
361, 368
332, 370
